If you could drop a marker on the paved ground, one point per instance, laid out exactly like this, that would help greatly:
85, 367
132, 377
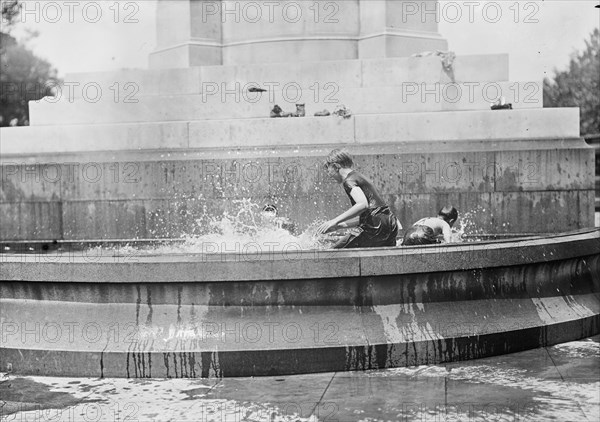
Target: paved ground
559, 383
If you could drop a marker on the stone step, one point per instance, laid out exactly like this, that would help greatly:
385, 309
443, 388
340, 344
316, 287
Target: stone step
258, 341
221, 105
332, 130
344, 73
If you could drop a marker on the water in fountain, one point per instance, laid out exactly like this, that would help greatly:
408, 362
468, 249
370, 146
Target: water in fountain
467, 227
247, 229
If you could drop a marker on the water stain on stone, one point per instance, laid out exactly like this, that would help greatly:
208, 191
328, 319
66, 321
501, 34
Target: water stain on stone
179, 291
22, 394
138, 303
150, 310
194, 393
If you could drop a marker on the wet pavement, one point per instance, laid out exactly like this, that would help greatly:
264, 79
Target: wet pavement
559, 383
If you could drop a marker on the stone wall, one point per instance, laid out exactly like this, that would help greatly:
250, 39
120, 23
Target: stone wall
177, 152
542, 186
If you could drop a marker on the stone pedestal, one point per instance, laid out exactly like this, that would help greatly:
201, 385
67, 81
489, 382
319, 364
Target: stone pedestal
201, 32
184, 37
398, 28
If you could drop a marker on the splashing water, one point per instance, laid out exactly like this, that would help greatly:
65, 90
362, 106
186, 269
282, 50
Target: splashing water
247, 229
468, 227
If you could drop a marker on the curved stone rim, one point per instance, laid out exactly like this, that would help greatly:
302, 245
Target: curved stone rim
294, 264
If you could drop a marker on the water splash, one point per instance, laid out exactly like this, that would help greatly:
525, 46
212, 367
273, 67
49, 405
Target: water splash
245, 228
468, 228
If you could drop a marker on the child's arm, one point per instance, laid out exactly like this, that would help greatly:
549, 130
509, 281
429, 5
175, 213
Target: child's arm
352, 222
447, 232
360, 204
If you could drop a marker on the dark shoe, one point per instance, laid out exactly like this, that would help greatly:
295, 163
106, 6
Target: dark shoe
276, 112
501, 105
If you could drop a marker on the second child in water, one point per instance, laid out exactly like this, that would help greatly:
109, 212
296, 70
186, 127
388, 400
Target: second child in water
372, 222
428, 230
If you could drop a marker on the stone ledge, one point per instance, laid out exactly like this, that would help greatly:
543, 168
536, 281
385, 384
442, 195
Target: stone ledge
116, 137
346, 73
357, 325
240, 104
465, 125
459, 126
373, 340
283, 151
573, 276
294, 265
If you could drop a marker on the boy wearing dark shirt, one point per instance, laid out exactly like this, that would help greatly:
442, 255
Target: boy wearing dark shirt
372, 221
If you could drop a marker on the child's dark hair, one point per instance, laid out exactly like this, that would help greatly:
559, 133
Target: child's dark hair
449, 214
270, 208
339, 157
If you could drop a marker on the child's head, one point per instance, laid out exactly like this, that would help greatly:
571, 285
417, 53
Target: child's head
449, 214
270, 210
338, 158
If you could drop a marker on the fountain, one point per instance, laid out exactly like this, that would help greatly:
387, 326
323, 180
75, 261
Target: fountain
169, 147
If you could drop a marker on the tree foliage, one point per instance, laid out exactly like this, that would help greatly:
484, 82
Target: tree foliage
24, 77
579, 86
10, 10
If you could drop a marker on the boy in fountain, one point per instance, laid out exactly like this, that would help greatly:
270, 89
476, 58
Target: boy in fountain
427, 230
372, 222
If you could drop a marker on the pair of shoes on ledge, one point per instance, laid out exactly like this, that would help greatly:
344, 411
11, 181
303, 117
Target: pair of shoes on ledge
278, 111
342, 111
501, 105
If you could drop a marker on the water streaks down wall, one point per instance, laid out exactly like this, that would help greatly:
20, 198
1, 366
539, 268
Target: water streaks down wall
249, 315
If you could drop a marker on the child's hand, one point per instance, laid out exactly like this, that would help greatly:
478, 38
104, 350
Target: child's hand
326, 227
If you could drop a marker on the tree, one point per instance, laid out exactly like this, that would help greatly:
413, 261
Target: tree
579, 86
10, 10
24, 76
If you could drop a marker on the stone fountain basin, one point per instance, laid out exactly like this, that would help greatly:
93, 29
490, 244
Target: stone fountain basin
111, 314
